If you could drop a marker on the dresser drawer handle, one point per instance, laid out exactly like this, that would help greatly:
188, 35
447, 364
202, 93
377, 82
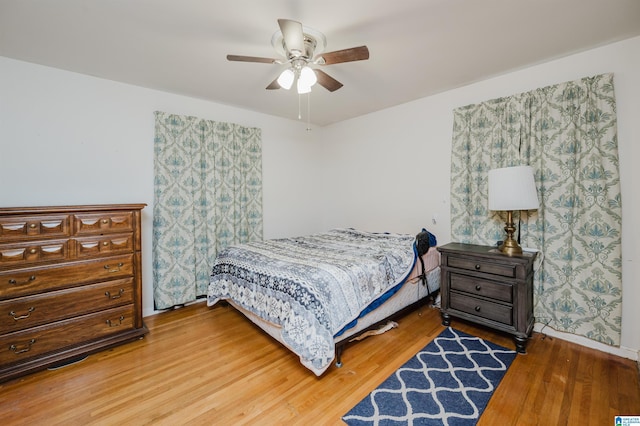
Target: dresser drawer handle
31, 278
26, 348
477, 308
116, 269
116, 296
25, 316
477, 267
478, 287
114, 324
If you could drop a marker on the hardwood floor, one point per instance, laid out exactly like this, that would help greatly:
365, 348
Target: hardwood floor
212, 366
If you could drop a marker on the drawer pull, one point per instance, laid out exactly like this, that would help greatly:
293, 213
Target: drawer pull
105, 221
26, 348
477, 267
113, 324
116, 269
25, 316
478, 287
14, 282
32, 225
116, 296
477, 308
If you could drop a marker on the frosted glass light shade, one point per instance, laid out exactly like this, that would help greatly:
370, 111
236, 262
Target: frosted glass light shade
285, 80
512, 188
307, 77
302, 88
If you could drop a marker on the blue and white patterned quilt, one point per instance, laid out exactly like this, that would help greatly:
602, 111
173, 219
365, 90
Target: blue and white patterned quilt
312, 286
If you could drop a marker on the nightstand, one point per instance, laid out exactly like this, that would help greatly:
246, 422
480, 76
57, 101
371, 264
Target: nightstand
482, 285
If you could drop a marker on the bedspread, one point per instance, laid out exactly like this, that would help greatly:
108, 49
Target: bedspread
312, 286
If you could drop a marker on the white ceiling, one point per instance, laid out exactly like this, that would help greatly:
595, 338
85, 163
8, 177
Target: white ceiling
417, 47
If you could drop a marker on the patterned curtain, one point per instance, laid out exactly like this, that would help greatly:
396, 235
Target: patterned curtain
207, 195
568, 134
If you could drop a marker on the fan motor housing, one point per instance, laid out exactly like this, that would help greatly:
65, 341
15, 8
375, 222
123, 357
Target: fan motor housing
314, 43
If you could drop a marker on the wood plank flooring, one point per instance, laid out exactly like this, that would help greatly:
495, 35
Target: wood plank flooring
212, 366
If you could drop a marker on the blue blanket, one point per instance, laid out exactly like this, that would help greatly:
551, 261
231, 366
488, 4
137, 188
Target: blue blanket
312, 286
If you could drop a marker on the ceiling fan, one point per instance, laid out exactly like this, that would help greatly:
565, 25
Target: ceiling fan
303, 47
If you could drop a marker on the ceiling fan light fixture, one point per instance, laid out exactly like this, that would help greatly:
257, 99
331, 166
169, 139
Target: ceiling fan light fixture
307, 76
286, 79
303, 88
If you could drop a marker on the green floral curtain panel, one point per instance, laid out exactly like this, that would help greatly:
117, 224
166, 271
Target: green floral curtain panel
207, 195
568, 134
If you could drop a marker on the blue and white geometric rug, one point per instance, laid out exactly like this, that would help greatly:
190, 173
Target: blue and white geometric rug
449, 382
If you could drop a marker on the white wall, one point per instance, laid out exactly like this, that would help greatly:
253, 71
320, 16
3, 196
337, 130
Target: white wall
390, 170
67, 138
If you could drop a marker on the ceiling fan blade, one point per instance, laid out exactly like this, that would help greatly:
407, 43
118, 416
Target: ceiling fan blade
346, 55
326, 81
292, 35
274, 85
251, 59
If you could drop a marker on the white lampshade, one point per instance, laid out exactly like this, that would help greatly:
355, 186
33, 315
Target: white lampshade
512, 188
286, 79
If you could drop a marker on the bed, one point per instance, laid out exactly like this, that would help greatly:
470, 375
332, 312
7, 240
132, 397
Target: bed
316, 293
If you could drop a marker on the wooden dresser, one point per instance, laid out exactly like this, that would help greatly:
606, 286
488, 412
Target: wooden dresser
70, 283
482, 285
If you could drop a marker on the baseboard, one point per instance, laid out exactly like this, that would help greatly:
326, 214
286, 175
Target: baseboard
621, 351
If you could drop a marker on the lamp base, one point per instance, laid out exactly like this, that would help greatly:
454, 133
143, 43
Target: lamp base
510, 246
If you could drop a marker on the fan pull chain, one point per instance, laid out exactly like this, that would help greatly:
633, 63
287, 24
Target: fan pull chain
308, 111
299, 107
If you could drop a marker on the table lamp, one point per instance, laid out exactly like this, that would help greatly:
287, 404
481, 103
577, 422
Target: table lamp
512, 188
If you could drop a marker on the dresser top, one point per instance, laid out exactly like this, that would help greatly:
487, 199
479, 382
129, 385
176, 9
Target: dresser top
68, 209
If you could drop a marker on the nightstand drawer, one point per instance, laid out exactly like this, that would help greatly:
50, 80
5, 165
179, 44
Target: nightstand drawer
482, 308
489, 289
486, 267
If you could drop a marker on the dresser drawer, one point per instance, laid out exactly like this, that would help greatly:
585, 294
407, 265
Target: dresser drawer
486, 267
30, 311
95, 223
479, 287
101, 245
21, 345
481, 308
21, 227
28, 281
16, 254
